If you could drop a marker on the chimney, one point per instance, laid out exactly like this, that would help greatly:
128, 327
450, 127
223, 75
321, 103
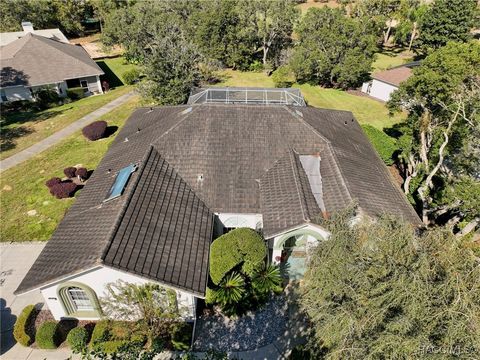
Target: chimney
27, 27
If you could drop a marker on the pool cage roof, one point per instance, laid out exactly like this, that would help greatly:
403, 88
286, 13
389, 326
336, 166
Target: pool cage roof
247, 95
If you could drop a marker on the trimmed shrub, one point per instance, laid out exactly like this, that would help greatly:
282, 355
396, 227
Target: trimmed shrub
70, 172
45, 98
384, 144
63, 190
101, 333
47, 335
283, 77
76, 93
95, 130
256, 66
82, 173
113, 346
77, 339
131, 76
53, 181
21, 327
242, 246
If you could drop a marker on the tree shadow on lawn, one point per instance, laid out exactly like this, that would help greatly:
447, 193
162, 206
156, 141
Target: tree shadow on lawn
9, 136
24, 116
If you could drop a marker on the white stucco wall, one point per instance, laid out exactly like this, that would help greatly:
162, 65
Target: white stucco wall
93, 83
97, 279
378, 89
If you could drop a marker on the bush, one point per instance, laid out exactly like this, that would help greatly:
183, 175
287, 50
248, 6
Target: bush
256, 66
131, 76
70, 172
95, 130
384, 144
76, 93
77, 339
182, 336
45, 97
82, 173
22, 325
63, 190
240, 246
101, 333
53, 181
283, 77
47, 335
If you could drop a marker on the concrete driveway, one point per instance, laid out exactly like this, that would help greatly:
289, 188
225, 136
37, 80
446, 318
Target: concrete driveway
16, 259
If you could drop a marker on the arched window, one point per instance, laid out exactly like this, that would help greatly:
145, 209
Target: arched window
79, 300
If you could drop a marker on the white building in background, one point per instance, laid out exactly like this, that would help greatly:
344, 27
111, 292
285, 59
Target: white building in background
384, 83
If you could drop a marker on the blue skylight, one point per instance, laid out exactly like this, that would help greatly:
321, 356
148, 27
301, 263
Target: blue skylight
120, 182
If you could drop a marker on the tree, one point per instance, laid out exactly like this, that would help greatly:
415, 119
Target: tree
443, 102
155, 307
409, 14
444, 21
332, 50
379, 290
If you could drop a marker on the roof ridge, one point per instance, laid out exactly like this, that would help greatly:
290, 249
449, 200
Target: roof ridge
300, 191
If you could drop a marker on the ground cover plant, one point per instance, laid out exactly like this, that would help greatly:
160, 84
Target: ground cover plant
34, 195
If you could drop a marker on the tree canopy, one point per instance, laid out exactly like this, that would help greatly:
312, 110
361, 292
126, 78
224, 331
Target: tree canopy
440, 147
379, 290
332, 49
444, 21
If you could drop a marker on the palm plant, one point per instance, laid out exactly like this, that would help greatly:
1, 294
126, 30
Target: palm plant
230, 290
266, 280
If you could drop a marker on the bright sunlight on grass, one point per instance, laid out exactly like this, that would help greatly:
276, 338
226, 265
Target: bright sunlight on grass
22, 187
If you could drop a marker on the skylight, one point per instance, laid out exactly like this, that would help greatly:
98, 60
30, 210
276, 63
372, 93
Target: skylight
120, 182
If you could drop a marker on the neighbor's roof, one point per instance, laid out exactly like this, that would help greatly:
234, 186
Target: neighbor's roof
36, 60
54, 34
224, 154
396, 75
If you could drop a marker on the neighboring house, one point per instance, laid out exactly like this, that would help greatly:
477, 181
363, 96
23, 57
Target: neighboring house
33, 62
54, 34
384, 83
177, 177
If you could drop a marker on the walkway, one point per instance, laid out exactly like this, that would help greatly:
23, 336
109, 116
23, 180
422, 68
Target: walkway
62, 134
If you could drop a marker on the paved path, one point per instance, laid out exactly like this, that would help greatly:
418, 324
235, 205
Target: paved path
62, 134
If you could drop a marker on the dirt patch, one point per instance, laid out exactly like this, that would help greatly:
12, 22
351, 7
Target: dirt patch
396, 175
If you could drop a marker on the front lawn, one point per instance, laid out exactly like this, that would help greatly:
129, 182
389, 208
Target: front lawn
365, 109
23, 190
388, 60
22, 129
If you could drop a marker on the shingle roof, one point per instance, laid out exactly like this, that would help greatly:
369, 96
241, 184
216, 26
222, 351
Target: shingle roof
286, 197
36, 60
54, 34
396, 75
220, 153
165, 231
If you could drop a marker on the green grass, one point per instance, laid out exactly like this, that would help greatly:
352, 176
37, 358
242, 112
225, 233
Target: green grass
366, 110
22, 188
22, 129
384, 61
114, 69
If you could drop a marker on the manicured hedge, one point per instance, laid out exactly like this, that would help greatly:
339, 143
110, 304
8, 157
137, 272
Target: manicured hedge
21, 327
384, 144
63, 190
47, 335
95, 130
77, 339
76, 93
100, 333
242, 246
70, 171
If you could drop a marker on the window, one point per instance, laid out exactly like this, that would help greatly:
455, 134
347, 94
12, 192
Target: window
4, 95
79, 298
120, 182
84, 83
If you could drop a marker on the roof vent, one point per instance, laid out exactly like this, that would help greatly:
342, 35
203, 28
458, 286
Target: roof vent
299, 113
27, 27
200, 177
138, 130
150, 110
186, 111
346, 122
126, 139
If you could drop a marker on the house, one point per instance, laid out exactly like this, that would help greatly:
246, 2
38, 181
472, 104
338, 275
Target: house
384, 83
177, 177
54, 34
33, 62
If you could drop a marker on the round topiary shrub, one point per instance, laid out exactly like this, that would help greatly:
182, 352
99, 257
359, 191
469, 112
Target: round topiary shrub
77, 339
53, 181
131, 76
82, 173
95, 130
47, 335
70, 172
63, 190
21, 329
